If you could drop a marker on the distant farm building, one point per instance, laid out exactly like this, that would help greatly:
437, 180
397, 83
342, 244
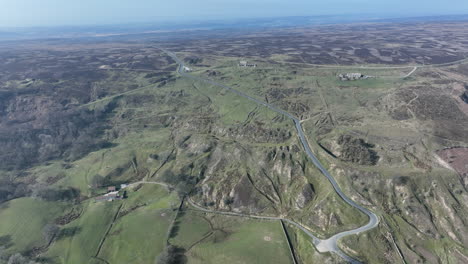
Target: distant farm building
109, 197
352, 76
187, 69
111, 189
246, 64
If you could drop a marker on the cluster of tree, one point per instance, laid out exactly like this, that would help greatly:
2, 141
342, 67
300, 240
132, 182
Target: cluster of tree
172, 255
193, 60
4, 97
182, 182
49, 232
14, 259
9, 189
63, 134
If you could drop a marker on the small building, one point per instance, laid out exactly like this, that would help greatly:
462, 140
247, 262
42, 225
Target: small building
123, 186
100, 198
113, 196
246, 64
352, 76
111, 189
187, 69
108, 197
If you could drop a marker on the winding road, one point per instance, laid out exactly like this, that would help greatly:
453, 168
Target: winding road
322, 245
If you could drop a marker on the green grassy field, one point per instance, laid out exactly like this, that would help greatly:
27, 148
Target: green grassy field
140, 236
144, 216
85, 234
22, 221
223, 239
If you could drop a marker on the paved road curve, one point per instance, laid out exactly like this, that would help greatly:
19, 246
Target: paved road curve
327, 245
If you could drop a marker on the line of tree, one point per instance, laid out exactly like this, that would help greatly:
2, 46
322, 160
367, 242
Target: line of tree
172, 255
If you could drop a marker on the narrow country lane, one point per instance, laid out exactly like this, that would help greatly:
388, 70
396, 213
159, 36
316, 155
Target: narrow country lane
322, 245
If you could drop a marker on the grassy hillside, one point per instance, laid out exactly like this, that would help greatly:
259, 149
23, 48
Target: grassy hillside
145, 216
379, 137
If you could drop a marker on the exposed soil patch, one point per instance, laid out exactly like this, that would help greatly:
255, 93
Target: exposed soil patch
69, 217
457, 158
54, 179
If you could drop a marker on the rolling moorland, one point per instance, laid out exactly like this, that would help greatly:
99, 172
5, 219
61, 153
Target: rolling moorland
80, 115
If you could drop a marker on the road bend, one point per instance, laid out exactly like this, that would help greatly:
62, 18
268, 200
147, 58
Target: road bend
322, 245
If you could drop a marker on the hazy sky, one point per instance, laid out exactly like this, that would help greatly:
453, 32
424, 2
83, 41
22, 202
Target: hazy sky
85, 12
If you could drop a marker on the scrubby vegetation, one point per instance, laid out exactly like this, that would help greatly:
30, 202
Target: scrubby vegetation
183, 183
357, 150
65, 135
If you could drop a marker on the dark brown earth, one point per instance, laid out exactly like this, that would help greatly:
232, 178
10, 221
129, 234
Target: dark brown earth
457, 158
405, 43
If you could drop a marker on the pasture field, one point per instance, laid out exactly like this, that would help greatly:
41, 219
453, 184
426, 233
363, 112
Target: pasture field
211, 238
139, 236
22, 221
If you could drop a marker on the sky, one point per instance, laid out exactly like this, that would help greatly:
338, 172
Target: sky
27, 13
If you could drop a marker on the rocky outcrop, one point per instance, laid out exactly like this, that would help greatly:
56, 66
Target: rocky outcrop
305, 196
464, 97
